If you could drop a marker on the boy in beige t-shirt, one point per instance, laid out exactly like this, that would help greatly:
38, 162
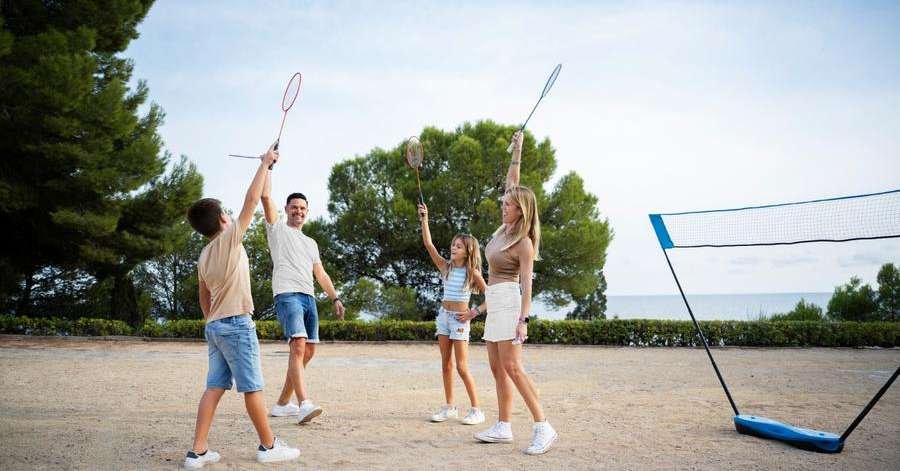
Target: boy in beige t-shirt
226, 303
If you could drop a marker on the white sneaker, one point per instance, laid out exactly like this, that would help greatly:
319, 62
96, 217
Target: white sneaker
501, 432
544, 436
307, 411
286, 410
280, 451
474, 417
195, 461
445, 413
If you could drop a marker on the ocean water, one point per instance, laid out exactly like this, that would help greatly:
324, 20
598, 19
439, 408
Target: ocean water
705, 306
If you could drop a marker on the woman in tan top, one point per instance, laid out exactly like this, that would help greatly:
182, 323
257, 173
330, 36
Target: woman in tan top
511, 254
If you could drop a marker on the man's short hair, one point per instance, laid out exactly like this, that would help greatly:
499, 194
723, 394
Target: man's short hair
204, 216
295, 196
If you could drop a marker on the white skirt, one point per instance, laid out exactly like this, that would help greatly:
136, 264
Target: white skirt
504, 306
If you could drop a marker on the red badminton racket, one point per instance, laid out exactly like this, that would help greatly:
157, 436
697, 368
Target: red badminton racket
291, 92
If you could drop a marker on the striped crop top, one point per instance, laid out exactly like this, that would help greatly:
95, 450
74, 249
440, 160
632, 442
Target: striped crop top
454, 285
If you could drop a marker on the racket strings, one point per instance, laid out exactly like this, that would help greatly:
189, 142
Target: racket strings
551, 80
415, 156
415, 153
291, 92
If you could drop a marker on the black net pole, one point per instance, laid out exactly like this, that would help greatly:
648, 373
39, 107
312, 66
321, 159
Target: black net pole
870, 405
702, 337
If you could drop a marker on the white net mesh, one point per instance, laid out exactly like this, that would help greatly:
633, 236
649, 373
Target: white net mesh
873, 216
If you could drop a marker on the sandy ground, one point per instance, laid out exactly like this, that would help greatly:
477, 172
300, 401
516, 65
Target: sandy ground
131, 404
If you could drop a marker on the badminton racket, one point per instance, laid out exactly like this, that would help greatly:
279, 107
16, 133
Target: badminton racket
291, 92
547, 86
415, 155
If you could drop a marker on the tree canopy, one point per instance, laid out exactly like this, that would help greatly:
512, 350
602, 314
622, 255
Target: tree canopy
84, 180
373, 233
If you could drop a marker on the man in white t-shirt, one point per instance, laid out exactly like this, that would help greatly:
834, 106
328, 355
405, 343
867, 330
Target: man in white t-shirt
295, 261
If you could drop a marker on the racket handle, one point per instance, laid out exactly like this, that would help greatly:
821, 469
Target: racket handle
509, 149
275, 148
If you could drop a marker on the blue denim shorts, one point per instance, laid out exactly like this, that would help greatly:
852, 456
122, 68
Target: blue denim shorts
234, 354
447, 324
298, 316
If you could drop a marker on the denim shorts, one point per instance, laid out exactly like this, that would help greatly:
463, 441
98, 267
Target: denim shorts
447, 324
298, 316
234, 354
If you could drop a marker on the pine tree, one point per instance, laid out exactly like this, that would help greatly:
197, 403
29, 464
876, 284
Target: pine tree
83, 180
374, 234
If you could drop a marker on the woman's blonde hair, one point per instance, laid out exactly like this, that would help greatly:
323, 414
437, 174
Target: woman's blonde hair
473, 260
529, 225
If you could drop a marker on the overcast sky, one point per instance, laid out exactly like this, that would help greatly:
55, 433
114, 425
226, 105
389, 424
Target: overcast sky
660, 107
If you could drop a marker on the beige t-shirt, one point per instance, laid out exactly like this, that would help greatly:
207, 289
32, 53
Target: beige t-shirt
225, 269
293, 256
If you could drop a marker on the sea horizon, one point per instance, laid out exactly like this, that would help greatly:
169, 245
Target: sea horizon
710, 306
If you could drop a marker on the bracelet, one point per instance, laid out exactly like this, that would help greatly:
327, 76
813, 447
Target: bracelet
514, 162
524, 320
335, 300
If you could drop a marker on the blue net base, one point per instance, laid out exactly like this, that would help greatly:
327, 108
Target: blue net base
807, 439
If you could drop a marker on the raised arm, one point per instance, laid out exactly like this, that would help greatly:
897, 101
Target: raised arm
256, 188
440, 262
269, 208
512, 175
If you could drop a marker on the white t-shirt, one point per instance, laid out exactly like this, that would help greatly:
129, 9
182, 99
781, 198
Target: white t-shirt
293, 256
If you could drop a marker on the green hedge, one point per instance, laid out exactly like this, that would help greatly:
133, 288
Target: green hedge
625, 332
56, 326
665, 333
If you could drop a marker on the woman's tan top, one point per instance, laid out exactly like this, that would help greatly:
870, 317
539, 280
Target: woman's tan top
503, 265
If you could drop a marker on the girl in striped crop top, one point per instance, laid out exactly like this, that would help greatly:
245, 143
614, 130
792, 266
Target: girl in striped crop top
461, 276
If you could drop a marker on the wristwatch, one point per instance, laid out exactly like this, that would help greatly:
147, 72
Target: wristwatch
524, 320
335, 300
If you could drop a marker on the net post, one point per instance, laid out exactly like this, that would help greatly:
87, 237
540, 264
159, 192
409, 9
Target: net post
702, 337
870, 405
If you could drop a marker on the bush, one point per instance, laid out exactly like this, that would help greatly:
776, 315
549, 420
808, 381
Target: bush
889, 292
64, 327
803, 311
623, 332
853, 302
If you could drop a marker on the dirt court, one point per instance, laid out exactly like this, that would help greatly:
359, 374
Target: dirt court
131, 404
